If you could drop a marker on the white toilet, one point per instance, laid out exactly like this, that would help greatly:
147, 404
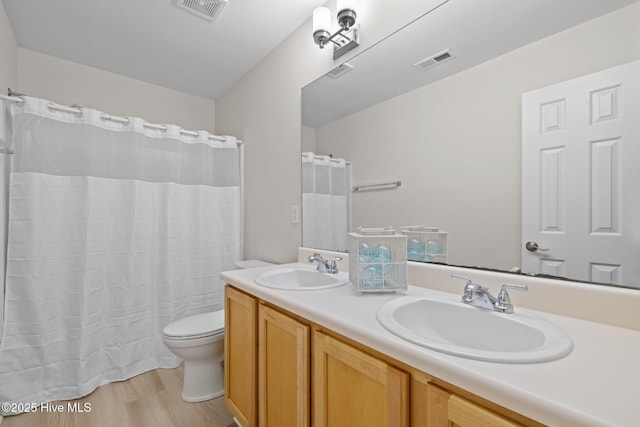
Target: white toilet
199, 340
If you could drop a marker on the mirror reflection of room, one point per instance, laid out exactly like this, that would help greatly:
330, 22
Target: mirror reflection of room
452, 132
326, 201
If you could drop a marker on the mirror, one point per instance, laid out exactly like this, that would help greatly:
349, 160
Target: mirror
451, 132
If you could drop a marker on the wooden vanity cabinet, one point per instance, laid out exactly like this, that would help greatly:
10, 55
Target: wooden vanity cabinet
433, 405
240, 362
267, 357
282, 370
445, 409
352, 388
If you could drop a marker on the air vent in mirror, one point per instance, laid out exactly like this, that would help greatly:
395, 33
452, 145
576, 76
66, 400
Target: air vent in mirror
205, 9
339, 70
434, 60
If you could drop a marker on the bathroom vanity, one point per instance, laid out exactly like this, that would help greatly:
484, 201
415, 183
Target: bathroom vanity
321, 358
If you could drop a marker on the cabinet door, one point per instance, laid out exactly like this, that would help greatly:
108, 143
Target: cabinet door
445, 409
283, 370
240, 342
352, 388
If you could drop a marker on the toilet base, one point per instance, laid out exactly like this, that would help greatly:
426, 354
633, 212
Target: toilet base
203, 379
191, 399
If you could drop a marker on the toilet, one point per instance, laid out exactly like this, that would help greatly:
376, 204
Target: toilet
199, 340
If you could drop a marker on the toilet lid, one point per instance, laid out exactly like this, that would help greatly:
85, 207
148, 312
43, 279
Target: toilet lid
196, 326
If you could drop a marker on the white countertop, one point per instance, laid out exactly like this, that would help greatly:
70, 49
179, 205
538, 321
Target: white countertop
597, 384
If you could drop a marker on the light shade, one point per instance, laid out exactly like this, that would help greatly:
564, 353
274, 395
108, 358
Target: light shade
322, 19
347, 4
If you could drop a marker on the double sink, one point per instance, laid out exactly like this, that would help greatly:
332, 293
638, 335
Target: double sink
443, 323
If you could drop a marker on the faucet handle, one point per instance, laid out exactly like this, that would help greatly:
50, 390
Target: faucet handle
315, 257
334, 267
469, 289
322, 264
466, 279
503, 303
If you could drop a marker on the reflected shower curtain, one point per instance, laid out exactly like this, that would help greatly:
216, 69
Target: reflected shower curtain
326, 196
115, 230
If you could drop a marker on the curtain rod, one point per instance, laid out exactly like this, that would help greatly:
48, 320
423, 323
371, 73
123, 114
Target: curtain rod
12, 98
104, 116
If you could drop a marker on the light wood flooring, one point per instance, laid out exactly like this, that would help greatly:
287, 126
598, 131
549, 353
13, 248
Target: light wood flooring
150, 399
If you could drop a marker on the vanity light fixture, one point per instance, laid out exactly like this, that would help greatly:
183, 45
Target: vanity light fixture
348, 35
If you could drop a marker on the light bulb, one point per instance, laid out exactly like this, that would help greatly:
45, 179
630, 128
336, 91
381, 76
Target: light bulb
321, 19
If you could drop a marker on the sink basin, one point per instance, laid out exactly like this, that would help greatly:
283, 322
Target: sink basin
447, 325
300, 279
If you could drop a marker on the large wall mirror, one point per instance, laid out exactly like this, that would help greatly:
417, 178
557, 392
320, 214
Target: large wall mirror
438, 106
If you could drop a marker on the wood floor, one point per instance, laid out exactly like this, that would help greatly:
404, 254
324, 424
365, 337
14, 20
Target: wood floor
150, 399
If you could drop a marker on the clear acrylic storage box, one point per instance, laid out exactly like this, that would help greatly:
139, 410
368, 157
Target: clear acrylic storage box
378, 260
425, 243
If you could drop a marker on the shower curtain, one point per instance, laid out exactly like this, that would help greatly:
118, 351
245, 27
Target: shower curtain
326, 202
116, 228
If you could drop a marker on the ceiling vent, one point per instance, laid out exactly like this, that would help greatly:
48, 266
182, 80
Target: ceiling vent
434, 60
205, 9
340, 70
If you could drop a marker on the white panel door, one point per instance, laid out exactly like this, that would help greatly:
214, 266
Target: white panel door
581, 177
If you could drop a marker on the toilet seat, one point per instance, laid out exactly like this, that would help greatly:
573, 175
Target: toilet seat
196, 326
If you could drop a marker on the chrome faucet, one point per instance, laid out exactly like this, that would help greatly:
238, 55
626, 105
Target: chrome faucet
325, 266
479, 296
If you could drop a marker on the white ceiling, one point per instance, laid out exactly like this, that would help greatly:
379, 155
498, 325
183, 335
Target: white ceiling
155, 41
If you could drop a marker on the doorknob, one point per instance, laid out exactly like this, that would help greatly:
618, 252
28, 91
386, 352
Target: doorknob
533, 246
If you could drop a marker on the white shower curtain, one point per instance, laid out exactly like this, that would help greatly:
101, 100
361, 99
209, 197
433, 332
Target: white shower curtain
116, 228
326, 195
4, 185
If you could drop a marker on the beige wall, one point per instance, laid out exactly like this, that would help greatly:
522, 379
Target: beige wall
66, 82
263, 109
455, 144
308, 139
8, 53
